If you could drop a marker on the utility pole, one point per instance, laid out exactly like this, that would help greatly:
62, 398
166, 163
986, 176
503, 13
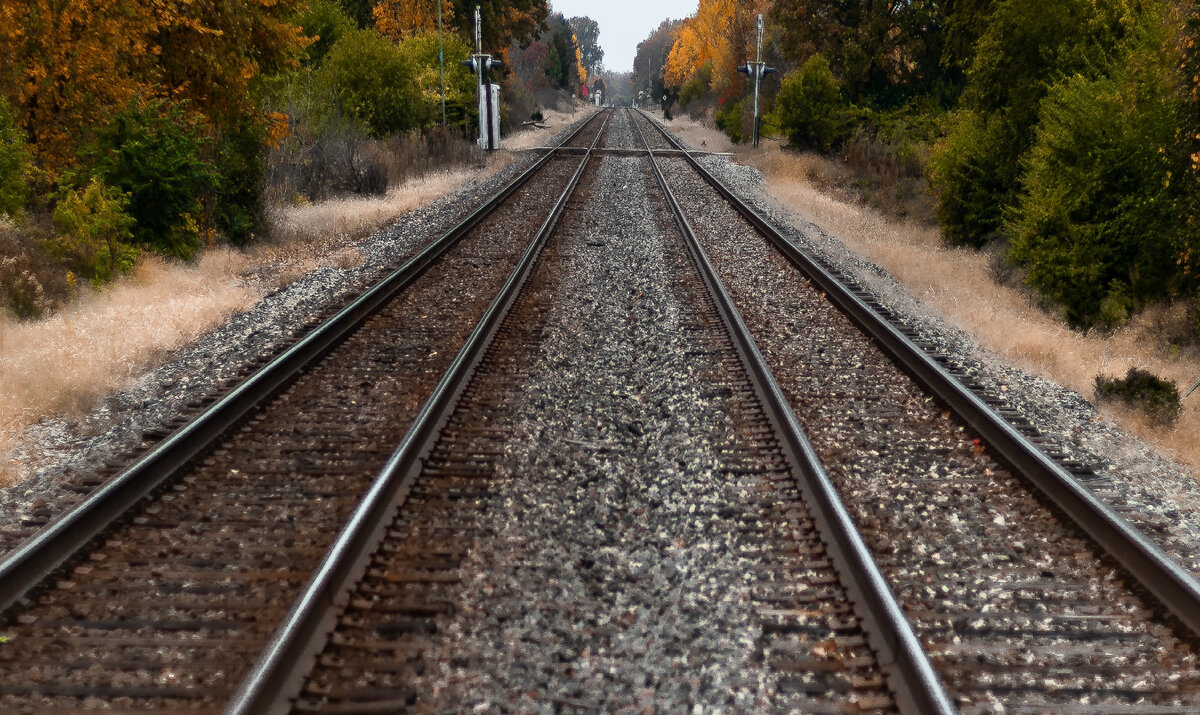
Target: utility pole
758, 69
649, 81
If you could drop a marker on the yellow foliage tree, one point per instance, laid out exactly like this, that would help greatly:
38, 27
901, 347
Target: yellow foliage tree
723, 32
579, 70
402, 19
210, 52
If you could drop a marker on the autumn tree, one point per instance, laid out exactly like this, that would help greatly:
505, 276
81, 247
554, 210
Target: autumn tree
504, 21
587, 36
401, 19
710, 45
507, 22
883, 52
67, 65
212, 52
527, 66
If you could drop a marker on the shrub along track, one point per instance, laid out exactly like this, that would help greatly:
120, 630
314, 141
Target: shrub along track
171, 608
1018, 609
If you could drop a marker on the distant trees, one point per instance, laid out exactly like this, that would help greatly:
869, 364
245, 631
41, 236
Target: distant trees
587, 36
651, 58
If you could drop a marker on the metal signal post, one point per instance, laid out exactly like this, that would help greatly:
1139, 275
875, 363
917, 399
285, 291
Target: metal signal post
758, 69
489, 94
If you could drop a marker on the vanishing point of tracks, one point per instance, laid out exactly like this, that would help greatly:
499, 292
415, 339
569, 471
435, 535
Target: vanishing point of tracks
567, 437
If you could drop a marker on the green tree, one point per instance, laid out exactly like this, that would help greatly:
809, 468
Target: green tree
373, 82
153, 151
241, 166
1027, 46
809, 105
422, 54
359, 11
884, 53
560, 65
728, 118
326, 21
587, 35
1099, 215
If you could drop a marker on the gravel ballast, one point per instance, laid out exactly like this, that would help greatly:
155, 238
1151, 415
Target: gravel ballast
611, 435
617, 576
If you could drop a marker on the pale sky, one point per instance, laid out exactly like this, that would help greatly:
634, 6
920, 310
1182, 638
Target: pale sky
624, 23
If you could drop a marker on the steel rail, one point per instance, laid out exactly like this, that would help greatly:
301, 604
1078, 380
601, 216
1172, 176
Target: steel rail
278, 674
22, 569
913, 681
1169, 583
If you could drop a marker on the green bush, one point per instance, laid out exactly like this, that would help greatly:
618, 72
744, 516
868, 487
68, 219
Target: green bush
14, 162
421, 52
729, 120
95, 232
1143, 390
970, 174
327, 21
153, 151
373, 82
809, 106
1097, 220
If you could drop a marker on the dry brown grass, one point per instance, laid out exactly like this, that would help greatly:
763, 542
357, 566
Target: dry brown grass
70, 361
555, 121
956, 284
307, 237
700, 136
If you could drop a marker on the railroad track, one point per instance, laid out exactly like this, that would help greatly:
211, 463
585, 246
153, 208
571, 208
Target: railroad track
1027, 590
600, 487
159, 589
383, 653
